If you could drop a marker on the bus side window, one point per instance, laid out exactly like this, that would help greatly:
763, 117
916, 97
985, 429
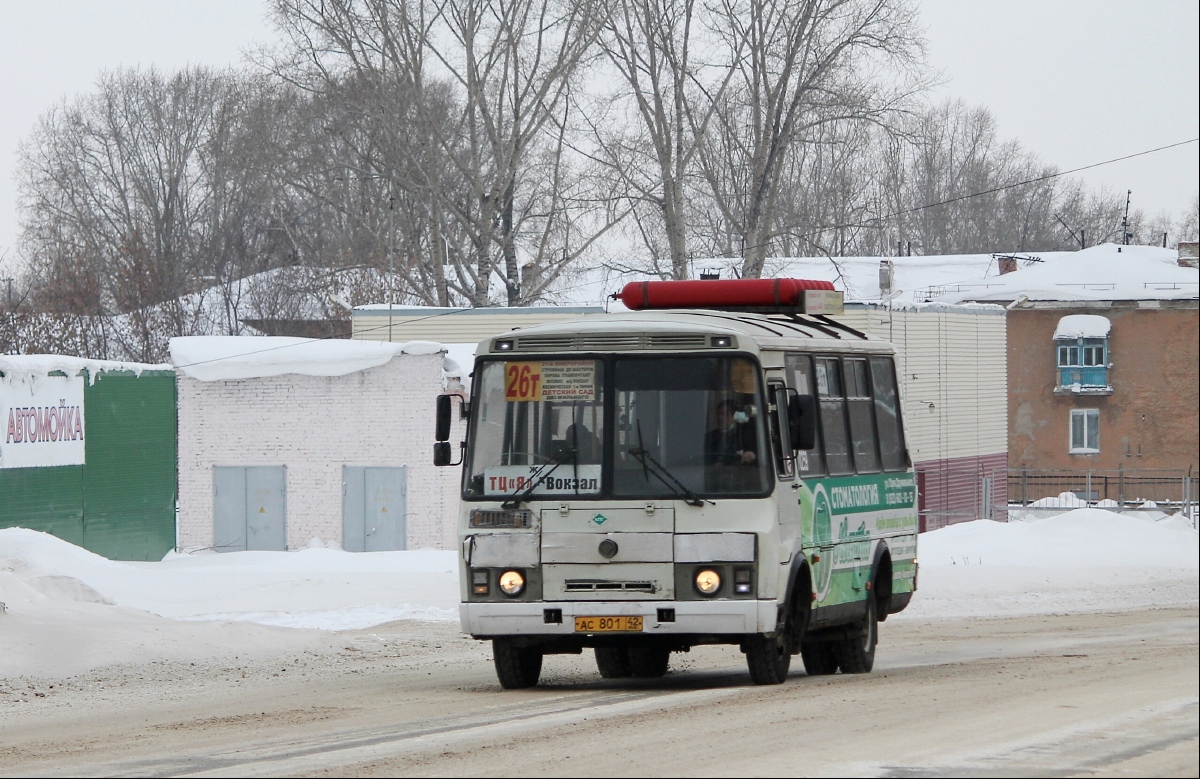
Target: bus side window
887, 414
862, 416
832, 398
800, 378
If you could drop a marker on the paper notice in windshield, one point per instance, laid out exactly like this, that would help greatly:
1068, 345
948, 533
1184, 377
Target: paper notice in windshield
512, 479
559, 380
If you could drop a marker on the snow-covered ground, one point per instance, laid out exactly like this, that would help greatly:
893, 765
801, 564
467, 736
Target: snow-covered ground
68, 610
1083, 560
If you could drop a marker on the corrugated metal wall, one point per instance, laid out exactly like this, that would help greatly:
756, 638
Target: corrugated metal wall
121, 503
45, 499
453, 326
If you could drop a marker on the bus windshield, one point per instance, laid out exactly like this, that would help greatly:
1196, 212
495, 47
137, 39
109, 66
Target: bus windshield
682, 426
539, 427
693, 422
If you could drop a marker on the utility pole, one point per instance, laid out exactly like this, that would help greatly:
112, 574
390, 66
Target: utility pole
391, 254
1125, 222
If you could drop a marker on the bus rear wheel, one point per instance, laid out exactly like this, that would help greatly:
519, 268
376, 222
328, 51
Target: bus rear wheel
613, 662
819, 658
517, 667
649, 662
856, 653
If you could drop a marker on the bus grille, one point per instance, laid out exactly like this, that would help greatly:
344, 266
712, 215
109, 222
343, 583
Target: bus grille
602, 585
501, 518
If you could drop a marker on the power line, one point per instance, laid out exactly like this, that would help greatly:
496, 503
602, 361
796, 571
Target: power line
994, 190
867, 223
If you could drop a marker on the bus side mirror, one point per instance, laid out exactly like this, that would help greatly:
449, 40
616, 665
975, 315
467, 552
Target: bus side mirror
802, 421
441, 453
444, 407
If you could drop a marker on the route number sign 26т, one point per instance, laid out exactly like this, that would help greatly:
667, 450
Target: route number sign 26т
550, 380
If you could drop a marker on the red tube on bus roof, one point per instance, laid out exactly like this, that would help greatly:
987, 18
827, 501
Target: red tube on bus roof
718, 293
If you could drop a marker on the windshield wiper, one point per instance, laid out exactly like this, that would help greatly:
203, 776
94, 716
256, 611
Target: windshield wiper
541, 473
660, 471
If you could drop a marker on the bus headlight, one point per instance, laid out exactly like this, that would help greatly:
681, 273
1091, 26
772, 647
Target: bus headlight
708, 581
512, 583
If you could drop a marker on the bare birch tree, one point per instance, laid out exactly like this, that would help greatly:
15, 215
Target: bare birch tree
508, 67
810, 63
674, 77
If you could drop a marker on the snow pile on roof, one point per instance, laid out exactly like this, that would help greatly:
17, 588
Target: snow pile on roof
458, 363
1081, 560
34, 365
1104, 272
1082, 326
915, 279
228, 358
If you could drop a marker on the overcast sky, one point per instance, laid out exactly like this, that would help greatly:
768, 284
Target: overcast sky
1076, 82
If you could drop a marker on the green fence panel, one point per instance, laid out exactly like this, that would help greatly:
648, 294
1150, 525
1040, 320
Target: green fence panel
129, 476
45, 499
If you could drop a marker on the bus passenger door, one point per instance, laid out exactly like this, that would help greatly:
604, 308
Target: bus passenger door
787, 491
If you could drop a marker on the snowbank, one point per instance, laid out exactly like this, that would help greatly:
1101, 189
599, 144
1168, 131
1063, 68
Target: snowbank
1081, 560
231, 357
312, 588
69, 610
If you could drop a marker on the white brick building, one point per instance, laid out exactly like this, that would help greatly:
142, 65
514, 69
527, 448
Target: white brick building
284, 440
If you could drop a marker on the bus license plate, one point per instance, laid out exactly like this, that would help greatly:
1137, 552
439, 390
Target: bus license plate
608, 624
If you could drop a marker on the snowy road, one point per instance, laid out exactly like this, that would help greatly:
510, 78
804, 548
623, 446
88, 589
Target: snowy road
1095, 694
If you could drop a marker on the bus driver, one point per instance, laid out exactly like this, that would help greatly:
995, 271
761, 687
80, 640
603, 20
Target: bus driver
733, 441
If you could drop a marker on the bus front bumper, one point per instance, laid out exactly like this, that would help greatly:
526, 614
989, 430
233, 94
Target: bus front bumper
722, 617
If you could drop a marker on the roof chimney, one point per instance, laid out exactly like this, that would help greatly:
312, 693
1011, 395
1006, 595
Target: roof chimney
1006, 264
1188, 254
886, 277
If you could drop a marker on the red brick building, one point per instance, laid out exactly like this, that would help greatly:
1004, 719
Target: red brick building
1103, 370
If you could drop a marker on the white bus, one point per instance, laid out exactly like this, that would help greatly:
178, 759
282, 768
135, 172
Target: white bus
724, 471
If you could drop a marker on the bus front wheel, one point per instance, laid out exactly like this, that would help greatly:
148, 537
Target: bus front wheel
856, 653
517, 667
769, 657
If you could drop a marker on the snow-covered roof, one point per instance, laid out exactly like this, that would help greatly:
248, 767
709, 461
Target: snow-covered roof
41, 364
1082, 326
912, 277
1104, 272
231, 357
459, 362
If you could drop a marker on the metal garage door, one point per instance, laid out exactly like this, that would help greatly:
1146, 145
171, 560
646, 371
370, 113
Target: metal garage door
374, 509
249, 508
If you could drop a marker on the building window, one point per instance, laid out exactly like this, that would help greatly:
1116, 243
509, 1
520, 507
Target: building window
1085, 431
1081, 342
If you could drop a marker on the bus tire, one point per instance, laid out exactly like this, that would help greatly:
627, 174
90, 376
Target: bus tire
613, 662
819, 658
648, 662
517, 667
769, 656
856, 653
